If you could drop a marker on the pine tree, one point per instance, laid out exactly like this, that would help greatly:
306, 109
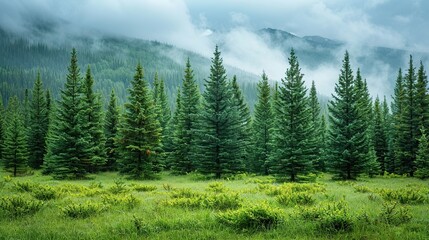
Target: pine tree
140, 132
422, 159
244, 122
38, 128
111, 125
294, 150
164, 114
2, 127
15, 154
188, 108
67, 155
399, 128
262, 128
324, 145
93, 124
388, 129
380, 137
26, 109
316, 119
348, 148
410, 122
218, 126
422, 99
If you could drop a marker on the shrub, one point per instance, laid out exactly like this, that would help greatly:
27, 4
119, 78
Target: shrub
404, 195
17, 206
392, 214
252, 218
119, 187
144, 188
82, 210
45, 193
95, 185
332, 217
25, 186
299, 198
129, 200
184, 193
222, 201
188, 199
288, 188
7, 179
217, 187
362, 189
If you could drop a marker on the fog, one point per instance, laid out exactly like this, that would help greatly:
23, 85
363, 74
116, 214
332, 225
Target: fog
200, 25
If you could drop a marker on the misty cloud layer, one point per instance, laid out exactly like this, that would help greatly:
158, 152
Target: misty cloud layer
200, 25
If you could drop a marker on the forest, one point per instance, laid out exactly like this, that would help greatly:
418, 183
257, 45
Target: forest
214, 132
292, 152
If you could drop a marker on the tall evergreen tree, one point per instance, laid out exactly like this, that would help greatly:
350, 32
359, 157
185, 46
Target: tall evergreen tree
93, 124
244, 122
111, 125
2, 127
262, 128
140, 131
293, 154
422, 99
316, 119
164, 114
26, 109
380, 136
388, 129
67, 155
15, 152
218, 126
348, 144
188, 108
422, 159
399, 127
410, 122
38, 128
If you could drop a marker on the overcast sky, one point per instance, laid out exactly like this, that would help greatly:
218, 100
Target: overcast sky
391, 23
189, 24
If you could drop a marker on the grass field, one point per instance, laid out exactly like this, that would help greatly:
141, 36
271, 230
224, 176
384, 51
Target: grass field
183, 207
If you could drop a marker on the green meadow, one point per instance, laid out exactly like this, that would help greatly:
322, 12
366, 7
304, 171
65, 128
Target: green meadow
190, 207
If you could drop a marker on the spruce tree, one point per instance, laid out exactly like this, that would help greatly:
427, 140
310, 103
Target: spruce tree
67, 155
294, 150
93, 124
422, 159
218, 127
410, 122
139, 132
262, 128
316, 119
244, 122
399, 127
2, 127
15, 154
26, 109
188, 109
388, 129
111, 124
38, 128
164, 114
422, 99
348, 148
380, 136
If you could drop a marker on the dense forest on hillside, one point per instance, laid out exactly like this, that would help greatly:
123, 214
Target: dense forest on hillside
213, 131
111, 60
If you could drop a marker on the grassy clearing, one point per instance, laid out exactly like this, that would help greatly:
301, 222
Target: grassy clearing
186, 207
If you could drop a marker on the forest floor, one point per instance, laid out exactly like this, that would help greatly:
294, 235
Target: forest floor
186, 207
